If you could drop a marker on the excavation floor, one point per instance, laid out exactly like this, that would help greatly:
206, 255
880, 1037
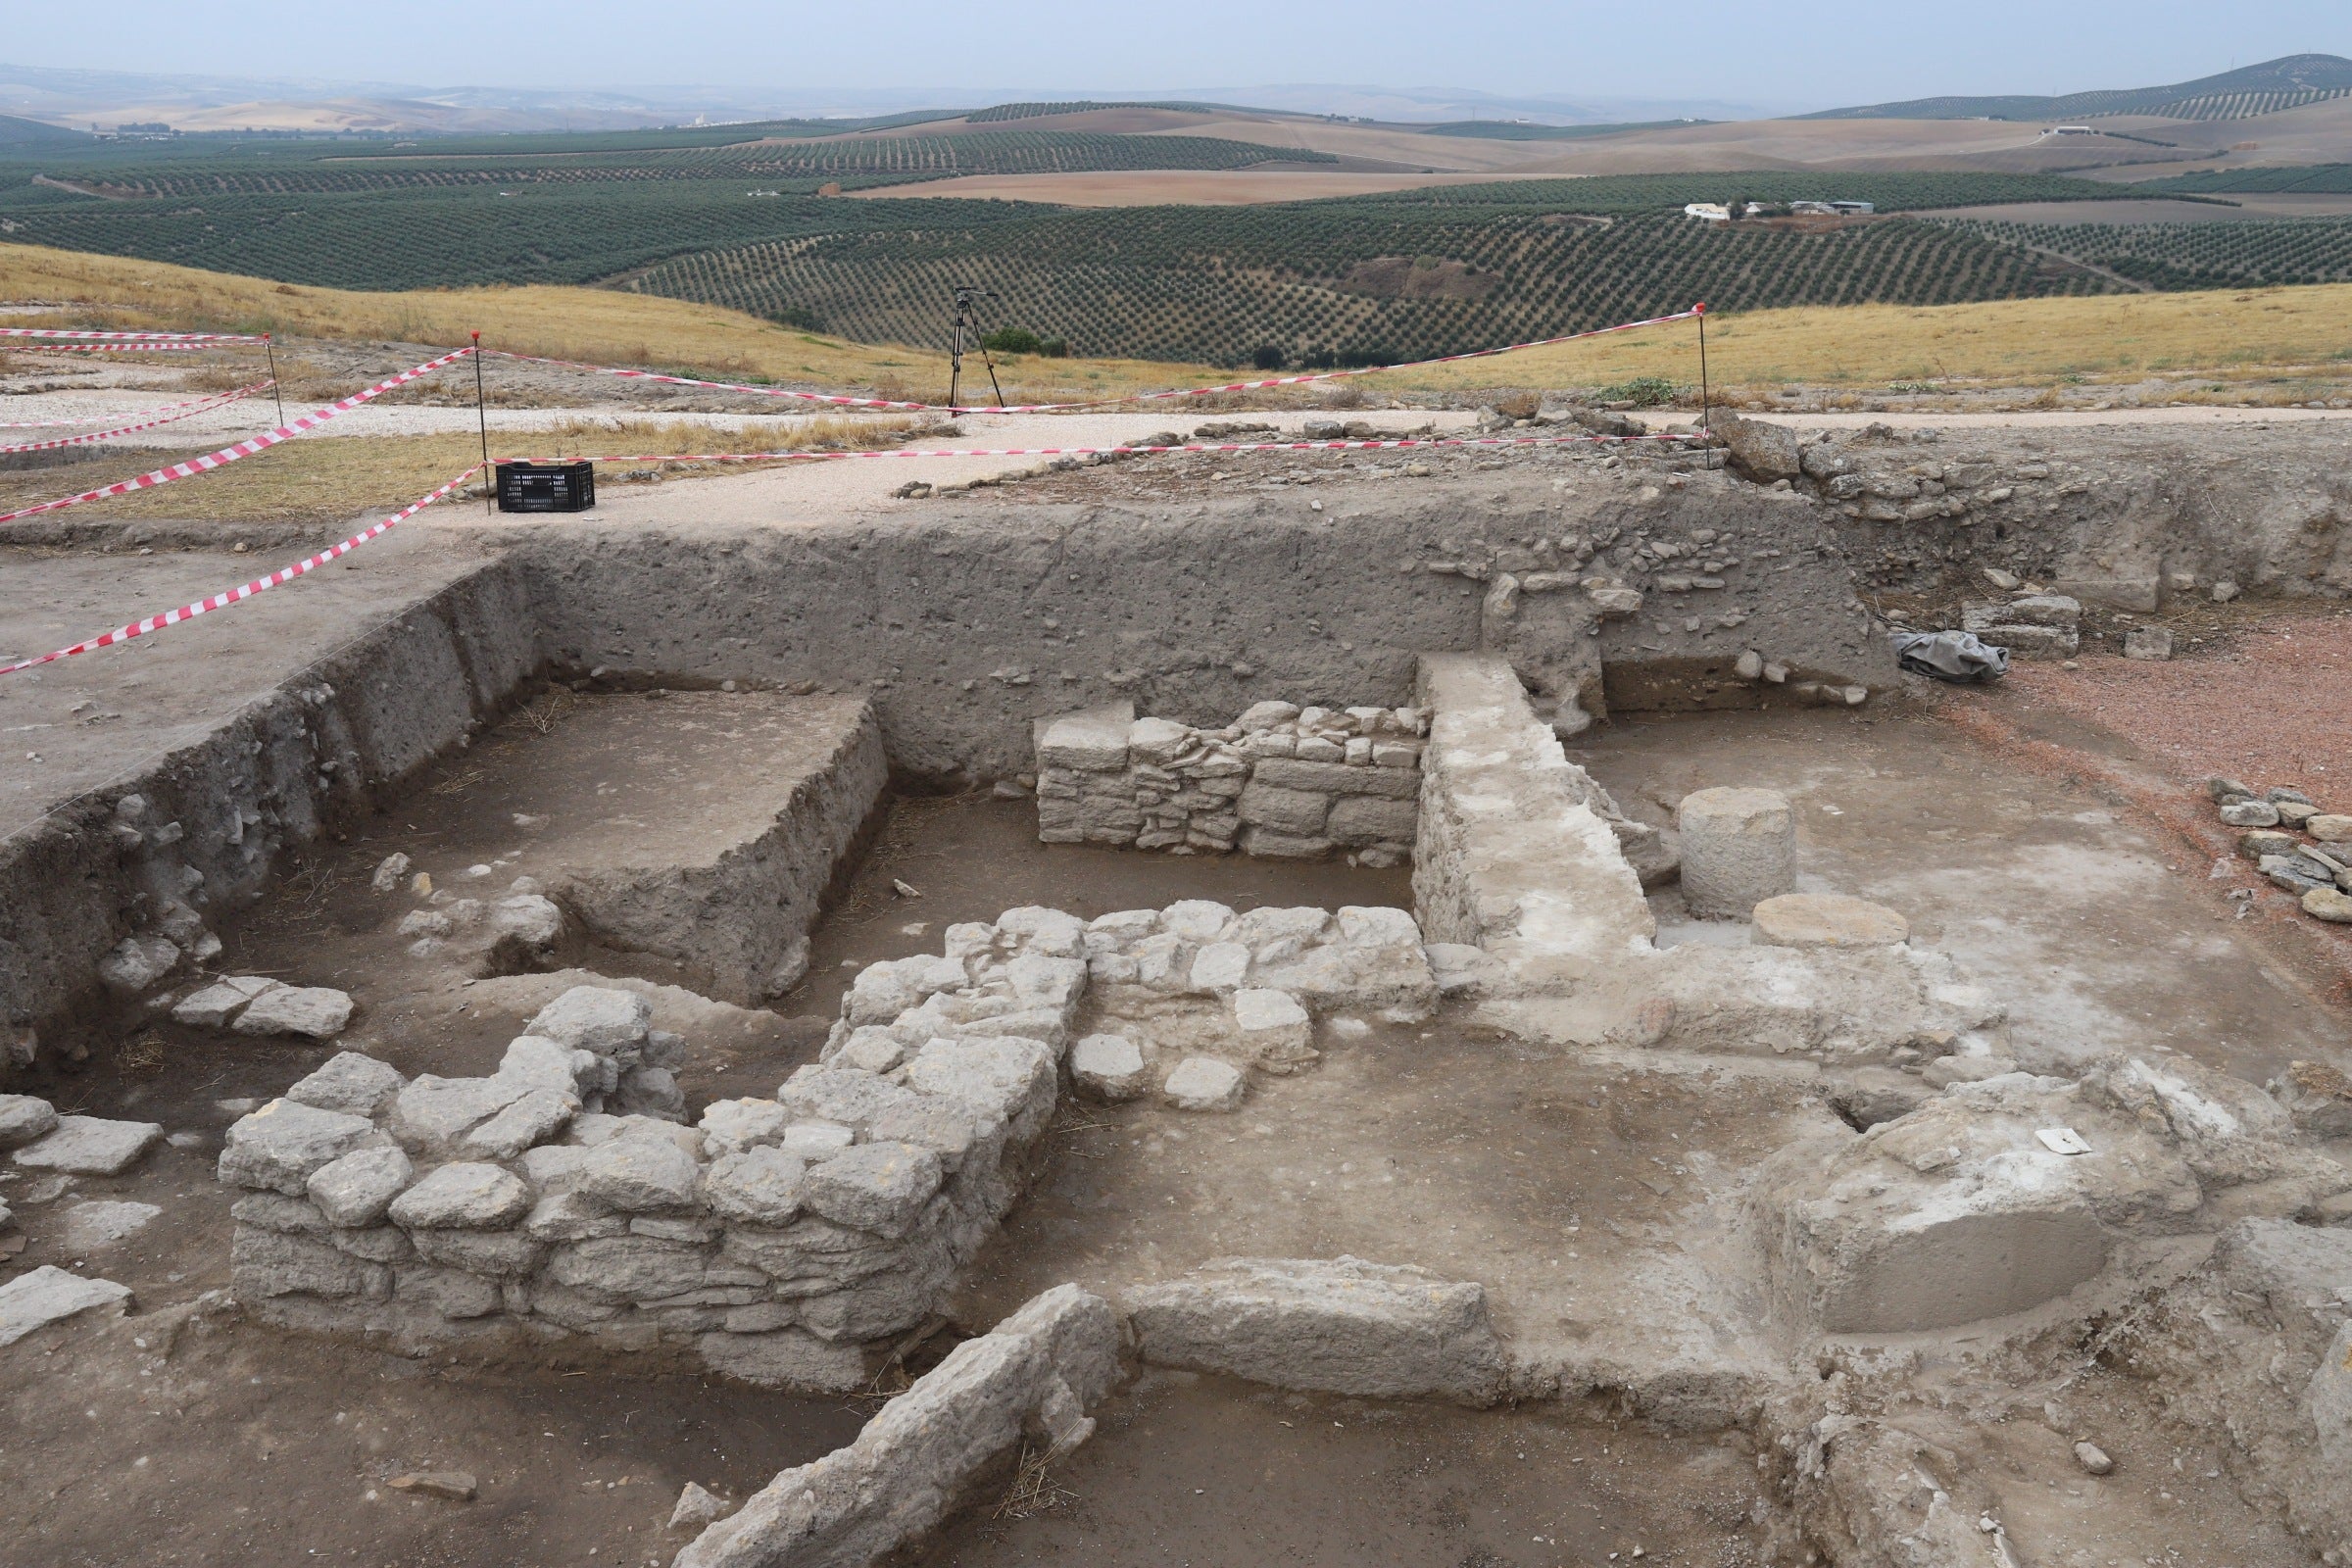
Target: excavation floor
1209, 1471
2101, 933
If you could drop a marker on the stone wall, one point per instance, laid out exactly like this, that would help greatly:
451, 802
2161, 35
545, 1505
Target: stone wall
1281, 781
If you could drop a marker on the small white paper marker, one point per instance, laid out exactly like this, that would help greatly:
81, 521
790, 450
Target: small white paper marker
2062, 1141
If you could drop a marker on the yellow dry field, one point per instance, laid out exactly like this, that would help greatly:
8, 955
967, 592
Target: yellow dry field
603, 326
2028, 343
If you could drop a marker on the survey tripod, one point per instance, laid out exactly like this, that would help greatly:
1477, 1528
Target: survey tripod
968, 321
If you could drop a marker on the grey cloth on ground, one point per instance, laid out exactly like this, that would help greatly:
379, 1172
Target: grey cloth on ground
1954, 656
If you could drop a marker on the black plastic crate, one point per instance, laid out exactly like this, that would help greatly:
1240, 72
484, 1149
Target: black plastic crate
545, 486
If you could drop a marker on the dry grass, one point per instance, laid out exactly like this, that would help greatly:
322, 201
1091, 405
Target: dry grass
2006, 343
603, 326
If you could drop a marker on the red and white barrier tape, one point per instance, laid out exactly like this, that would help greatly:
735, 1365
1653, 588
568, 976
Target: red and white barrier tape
83, 334
186, 411
113, 348
838, 400
243, 449
245, 591
1390, 444
95, 418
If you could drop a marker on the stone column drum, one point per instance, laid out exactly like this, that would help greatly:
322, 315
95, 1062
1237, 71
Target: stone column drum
1739, 848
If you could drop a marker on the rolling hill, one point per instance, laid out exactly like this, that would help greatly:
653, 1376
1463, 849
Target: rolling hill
2288, 83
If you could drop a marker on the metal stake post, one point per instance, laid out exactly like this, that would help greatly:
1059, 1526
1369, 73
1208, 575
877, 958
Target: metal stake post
1706, 399
481, 419
276, 390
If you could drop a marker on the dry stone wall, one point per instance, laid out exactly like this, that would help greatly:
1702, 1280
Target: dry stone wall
1282, 781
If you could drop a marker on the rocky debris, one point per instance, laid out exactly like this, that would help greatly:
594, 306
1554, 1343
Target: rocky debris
1337, 1326
49, 1295
1874, 1495
317, 1013
2249, 813
2328, 904
23, 1118
1758, 450
2329, 828
89, 1145
1203, 1082
924, 1452
1739, 848
2094, 1459
1963, 1209
1285, 781
136, 963
388, 872
2029, 626
458, 1486
1109, 1068
2318, 871
697, 1508
1827, 920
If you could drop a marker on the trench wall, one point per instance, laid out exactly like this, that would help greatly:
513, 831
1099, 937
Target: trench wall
216, 819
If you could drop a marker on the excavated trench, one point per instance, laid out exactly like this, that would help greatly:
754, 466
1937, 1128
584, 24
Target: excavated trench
763, 780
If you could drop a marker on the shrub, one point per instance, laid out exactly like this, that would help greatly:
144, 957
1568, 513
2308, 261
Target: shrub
1642, 392
1013, 340
1268, 357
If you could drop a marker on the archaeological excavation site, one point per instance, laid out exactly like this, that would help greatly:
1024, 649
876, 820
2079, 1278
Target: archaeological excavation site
1356, 1006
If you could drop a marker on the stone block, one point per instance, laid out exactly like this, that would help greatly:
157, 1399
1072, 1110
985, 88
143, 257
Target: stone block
600, 1018
355, 1190
1275, 1033
2329, 828
2250, 813
314, 1013
432, 1113
1203, 1082
728, 1125
1272, 844
463, 1196
453, 1293
639, 1175
90, 1145
350, 1083
1299, 814
1221, 967
877, 1188
1372, 820
1158, 740
1827, 920
757, 1186
1109, 1068
263, 1263
628, 1268
534, 1119
2151, 644
1001, 1081
213, 1006
23, 1118
136, 963
1093, 741
49, 1295
785, 1358
1337, 779
1335, 1326
1739, 848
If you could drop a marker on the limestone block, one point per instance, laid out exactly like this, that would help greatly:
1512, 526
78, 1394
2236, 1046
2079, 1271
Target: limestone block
350, 1083
463, 1196
729, 1125
2250, 813
2329, 828
1158, 740
1275, 1033
626, 1268
786, 1358
453, 1293
1299, 814
639, 1175
534, 1119
650, 1092
600, 1018
90, 1145
1034, 929
214, 1005
137, 963
2153, 644
264, 1263
1093, 741
274, 1211
839, 1096
1372, 820
432, 1113
758, 1186
23, 1118
1001, 1081
355, 1190
1266, 715
878, 1188
1221, 967
1739, 848
1338, 778
511, 1254
1338, 1326
1272, 844
550, 1064
1196, 920
1203, 1082
1827, 920
565, 1215
317, 1013
50, 1295
1109, 1068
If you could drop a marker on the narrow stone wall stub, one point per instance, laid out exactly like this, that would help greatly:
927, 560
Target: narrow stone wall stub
1281, 781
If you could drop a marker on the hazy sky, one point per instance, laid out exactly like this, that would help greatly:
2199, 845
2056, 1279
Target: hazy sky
1815, 54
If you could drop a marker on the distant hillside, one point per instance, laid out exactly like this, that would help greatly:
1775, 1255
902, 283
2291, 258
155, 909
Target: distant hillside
2264, 89
16, 134
1524, 130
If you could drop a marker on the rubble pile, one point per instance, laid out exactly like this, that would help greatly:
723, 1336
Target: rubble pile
2298, 847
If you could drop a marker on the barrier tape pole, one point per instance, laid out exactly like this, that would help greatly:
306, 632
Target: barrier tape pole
244, 591
189, 411
243, 449
275, 386
839, 400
